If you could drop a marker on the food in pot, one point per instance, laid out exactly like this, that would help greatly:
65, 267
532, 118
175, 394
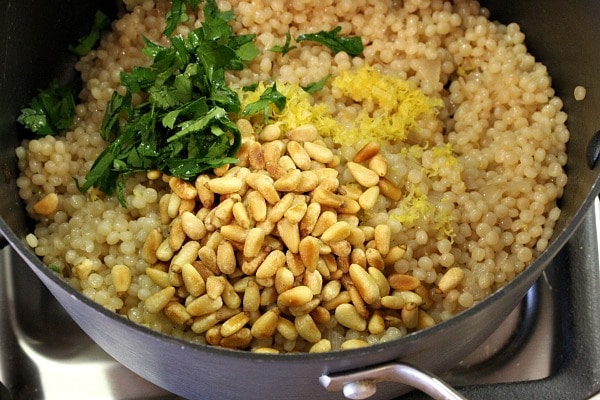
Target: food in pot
372, 194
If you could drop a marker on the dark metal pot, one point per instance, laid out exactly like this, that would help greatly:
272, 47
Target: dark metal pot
563, 35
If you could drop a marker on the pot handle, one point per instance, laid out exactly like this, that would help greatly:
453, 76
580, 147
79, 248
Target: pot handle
363, 384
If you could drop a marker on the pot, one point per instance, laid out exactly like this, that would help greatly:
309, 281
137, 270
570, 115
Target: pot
564, 36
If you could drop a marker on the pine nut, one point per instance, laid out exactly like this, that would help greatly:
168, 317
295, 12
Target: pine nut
349, 206
403, 282
161, 278
395, 254
225, 185
234, 233
251, 298
208, 256
321, 315
330, 290
240, 215
277, 211
230, 297
176, 234
245, 127
318, 153
366, 152
303, 309
327, 198
177, 313
313, 211
381, 281
192, 226
284, 280
289, 234
215, 285
289, 182
376, 324
295, 296
273, 261
379, 165
204, 305
226, 258
287, 329
234, 324
410, 315
192, 280
256, 157
309, 252
254, 242
269, 133
266, 324
294, 263
368, 198
374, 258
383, 237
249, 267
303, 133
336, 232
173, 205
346, 315
207, 198
182, 189
187, 254
257, 206
203, 323
308, 182
156, 302
164, 251
451, 279
313, 280
341, 298
425, 320
47, 205
393, 302
363, 175
295, 213
322, 346
239, 340
325, 220
307, 328
353, 344
121, 277
299, 155
153, 240
389, 190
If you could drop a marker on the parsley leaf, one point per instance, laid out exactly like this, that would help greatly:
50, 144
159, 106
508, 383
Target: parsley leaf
286, 47
316, 86
184, 127
270, 96
350, 44
50, 111
87, 43
178, 14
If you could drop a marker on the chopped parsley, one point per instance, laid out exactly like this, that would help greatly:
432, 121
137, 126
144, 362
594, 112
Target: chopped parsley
286, 46
270, 96
183, 128
316, 86
50, 111
88, 42
350, 44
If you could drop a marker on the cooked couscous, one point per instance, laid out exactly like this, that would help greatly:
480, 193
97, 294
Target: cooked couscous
420, 178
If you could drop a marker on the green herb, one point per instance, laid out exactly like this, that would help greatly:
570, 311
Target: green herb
316, 86
350, 44
54, 268
50, 111
87, 43
286, 47
183, 129
178, 14
270, 96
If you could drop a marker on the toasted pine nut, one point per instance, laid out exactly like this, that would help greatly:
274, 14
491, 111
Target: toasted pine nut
390, 190
186, 205
230, 297
383, 237
204, 305
374, 259
325, 220
306, 308
313, 211
193, 281
47, 205
213, 335
176, 234
410, 315
340, 248
164, 251
284, 280
150, 246
308, 182
394, 255
277, 211
234, 233
309, 252
161, 278
266, 324
346, 315
205, 322
183, 189
366, 152
403, 282
287, 329
295, 213
121, 277
330, 290
173, 205
425, 320
265, 186
289, 234
369, 198
156, 302
321, 315
322, 346
363, 175
381, 280
451, 279
245, 127
299, 155
257, 206
208, 256
225, 184
307, 328
192, 226
409, 297
327, 198
294, 263
295, 296
256, 157
251, 299
239, 340
207, 197
376, 324
314, 280
187, 254
234, 324
303, 133
249, 267
393, 302
379, 164
241, 216
289, 181
341, 298
273, 261
253, 243
215, 285
269, 133
226, 257
336, 232
349, 206
177, 313
318, 153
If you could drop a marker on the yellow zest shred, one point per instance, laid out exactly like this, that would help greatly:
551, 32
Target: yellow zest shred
397, 104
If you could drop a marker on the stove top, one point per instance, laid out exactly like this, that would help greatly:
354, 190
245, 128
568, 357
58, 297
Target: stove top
547, 347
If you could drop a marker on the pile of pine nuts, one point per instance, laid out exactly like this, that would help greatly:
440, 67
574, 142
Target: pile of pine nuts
274, 245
